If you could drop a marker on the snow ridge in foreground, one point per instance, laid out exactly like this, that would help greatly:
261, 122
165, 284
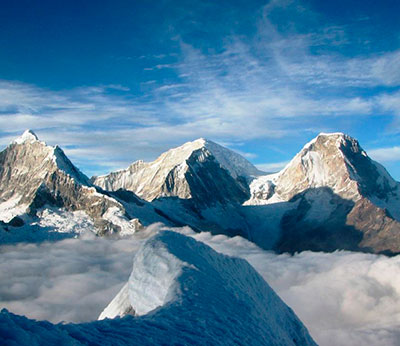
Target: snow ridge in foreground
211, 298
152, 283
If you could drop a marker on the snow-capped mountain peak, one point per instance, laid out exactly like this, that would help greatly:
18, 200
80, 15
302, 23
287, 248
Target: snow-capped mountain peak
233, 162
28, 136
183, 172
334, 189
333, 160
34, 175
339, 157
32, 147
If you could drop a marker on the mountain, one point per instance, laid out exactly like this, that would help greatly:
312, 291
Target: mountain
201, 171
200, 184
37, 180
336, 198
330, 196
336, 161
180, 292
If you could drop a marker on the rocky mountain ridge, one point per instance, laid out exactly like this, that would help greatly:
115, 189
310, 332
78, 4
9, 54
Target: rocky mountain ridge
34, 175
332, 160
180, 172
330, 196
337, 188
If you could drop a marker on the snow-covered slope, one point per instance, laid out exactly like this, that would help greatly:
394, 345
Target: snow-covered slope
35, 177
184, 293
173, 271
152, 283
196, 170
235, 163
330, 182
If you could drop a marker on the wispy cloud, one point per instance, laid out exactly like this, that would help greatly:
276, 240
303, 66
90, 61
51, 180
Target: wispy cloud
385, 154
270, 85
272, 167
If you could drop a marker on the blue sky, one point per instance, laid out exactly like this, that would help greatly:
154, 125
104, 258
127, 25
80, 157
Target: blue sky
116, 81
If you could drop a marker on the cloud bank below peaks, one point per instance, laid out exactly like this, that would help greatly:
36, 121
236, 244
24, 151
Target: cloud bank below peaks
343, 298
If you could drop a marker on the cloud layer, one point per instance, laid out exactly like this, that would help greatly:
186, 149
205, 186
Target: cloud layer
343, 298
70, 280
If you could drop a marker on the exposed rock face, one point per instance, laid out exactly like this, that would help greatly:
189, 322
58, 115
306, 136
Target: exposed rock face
33, 175
336, 161
318, 223
344, 199
381, 233
201, 170
321, 163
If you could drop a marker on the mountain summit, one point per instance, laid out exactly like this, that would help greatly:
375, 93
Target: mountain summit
34, 176
330, 196
338, 198
336, 161
27, 136
194, 283
200, 170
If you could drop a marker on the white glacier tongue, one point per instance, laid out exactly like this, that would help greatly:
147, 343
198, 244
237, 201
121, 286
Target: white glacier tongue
203, 297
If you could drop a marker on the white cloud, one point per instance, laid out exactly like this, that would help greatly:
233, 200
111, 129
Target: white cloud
272, 166
245, 154
390, 102
386, 69
71, 280
343, 298
385, 154
267, 86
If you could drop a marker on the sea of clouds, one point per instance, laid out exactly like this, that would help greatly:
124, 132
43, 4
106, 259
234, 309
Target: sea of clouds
343, 298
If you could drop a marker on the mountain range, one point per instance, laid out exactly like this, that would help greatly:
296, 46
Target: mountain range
330, 196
